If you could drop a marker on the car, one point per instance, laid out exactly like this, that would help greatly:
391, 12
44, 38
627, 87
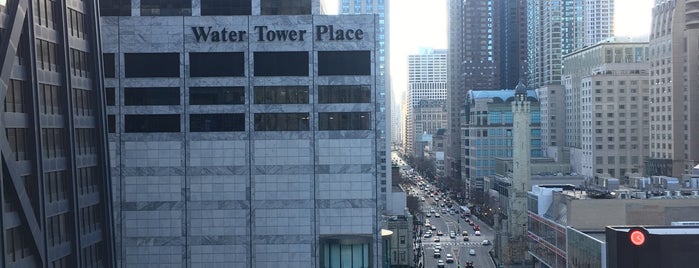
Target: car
436, 215
471, 223
469, 264
436, 239
427, 235
477, 233
422, 199
427, 224
472, 252
439, 233
433, 227
438, 246
464, 233
477, 228
428, 215
440, 263
450, 258
437, 253
452, 235
486, 242
466, 238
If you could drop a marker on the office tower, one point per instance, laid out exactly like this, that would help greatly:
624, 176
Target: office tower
383, 86
245, 134
612, 78
427, 88
556, 28
674, 113
489, 135
55, 192
487, 50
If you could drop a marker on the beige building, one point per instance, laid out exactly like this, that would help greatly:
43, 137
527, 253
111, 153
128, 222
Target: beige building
674, 58
606, 106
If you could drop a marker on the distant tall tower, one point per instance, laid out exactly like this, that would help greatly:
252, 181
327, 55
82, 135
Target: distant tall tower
515, 247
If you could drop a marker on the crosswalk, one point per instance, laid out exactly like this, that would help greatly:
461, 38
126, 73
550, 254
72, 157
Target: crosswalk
469, 243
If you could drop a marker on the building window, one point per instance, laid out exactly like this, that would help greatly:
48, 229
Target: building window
151, 96
344, 121
226, 7
15, 96
152, 123
58, 231
344, 62
282, 122
166, 7
216, 95
76, 23
111, 123
216, 122
79, 62
281, 95
83, 102
53, 142
115, 7
85, 141
17, 138
216, 64
49, 99
44, 11
46, 56
337, 254
152, 65
110, 95
109, 65
285, 7
281, 63
344, 94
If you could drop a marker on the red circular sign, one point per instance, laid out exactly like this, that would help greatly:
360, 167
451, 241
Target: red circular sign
637, 237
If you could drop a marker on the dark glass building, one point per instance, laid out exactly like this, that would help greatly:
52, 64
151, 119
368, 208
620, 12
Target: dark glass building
54, 165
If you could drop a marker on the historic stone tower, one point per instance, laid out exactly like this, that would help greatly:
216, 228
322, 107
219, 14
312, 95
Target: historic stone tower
515, 249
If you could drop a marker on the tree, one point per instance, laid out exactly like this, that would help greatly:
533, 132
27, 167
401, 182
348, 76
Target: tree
413, 204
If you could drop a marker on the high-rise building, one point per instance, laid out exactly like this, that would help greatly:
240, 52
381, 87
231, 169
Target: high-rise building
245, 134
556, 28
487, 50
611, 84
674, 76
383, 85
427, 82
54, 173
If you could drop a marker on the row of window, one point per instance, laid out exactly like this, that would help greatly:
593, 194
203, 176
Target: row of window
232, 64
231, 95
208, 7
236, 122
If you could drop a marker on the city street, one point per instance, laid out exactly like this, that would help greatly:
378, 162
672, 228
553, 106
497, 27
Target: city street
447, 223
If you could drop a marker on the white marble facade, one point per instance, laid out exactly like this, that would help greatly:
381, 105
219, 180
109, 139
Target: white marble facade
239, 199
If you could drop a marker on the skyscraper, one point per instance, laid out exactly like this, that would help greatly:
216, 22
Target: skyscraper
383, 85
674, 113
487, 50
245, 134
55, 192
427, 83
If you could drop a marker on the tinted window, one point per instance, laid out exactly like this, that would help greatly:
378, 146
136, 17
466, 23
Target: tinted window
152, 64
344, 121
110, 95
115, 7
282, 122
281, 63
344, 94
152, 123
216, 64
152, 96
111, 123
216, 95
216, 122
281, 95
344, 63
166, 7
285, 7
109, 68
226, 7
